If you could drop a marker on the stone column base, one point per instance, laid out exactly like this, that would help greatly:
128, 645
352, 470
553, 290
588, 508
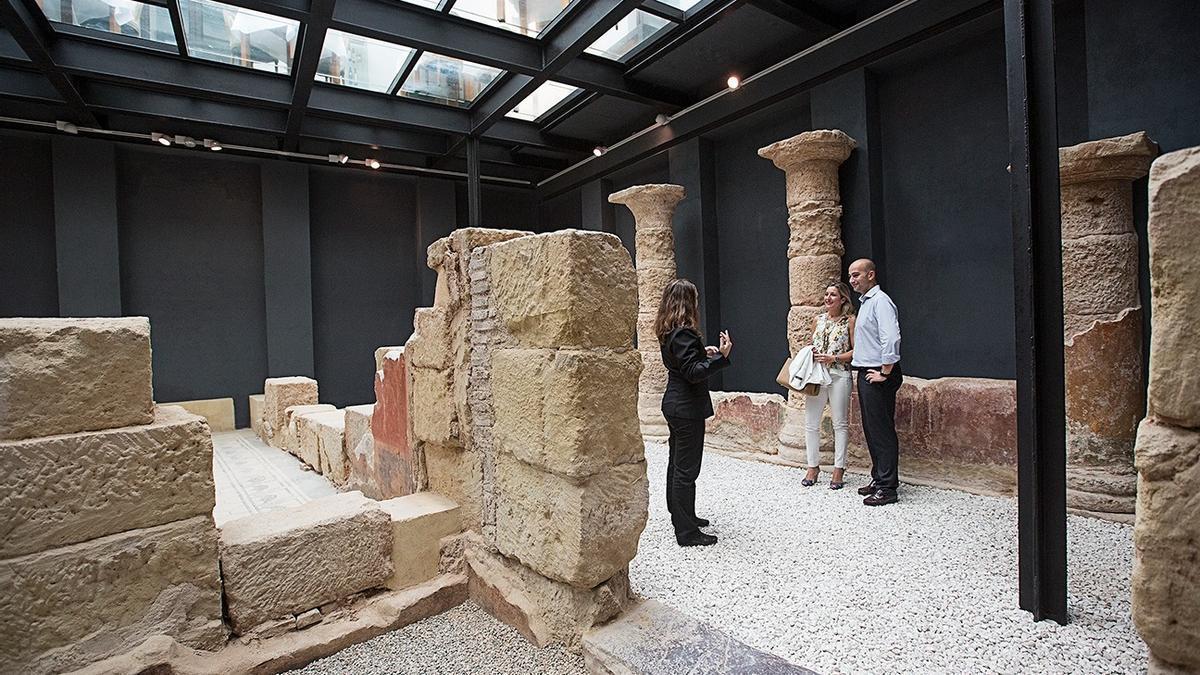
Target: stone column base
792, 445
1101, 493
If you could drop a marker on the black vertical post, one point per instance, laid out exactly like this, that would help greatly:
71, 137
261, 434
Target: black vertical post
474, 192
1037, 248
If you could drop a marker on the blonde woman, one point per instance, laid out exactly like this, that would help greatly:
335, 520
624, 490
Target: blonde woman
833, 346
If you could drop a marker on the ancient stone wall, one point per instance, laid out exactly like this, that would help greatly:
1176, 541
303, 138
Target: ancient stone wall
1102, 321
810, 163
106, 500
1166, 577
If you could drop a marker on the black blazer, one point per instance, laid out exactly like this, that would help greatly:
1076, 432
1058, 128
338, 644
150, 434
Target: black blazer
688, 368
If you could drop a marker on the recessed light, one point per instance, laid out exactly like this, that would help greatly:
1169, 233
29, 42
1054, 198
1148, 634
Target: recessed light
212, 145
599, 150
161, 139
373, 163
733, 82
339, 159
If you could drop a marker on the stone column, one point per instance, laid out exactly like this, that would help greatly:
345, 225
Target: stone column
810, 162
652, 207
1102, 321
1166, 536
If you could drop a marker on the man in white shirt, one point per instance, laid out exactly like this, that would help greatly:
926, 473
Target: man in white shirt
877, 358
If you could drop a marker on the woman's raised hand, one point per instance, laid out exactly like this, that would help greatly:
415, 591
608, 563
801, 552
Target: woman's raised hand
726, 344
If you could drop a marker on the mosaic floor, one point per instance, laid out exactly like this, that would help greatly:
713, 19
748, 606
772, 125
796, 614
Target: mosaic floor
253, 477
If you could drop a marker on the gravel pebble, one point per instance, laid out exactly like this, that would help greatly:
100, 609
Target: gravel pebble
463, 640
926, 585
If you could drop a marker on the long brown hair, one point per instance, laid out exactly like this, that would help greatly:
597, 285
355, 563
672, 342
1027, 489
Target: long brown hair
680, 306
844, 291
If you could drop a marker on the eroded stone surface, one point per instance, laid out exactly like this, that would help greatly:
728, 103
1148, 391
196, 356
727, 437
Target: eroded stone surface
279, 394
62, 376
745, 422
570, 412
434, 414
66, 489
66, 607
808, 275
256, 414
580, 533
291, 438
1123, 158
321, 438
419, 523
289, 561
385, 466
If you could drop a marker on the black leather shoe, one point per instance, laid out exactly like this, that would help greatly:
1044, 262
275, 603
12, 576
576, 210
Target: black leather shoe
696, 539
702, 522
882, 497
868, 489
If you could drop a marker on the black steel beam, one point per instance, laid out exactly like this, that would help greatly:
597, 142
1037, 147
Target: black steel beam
304, 67
177, 27
289, 9
705, 18
904, 24
33, 33
356, 104
105, 96
474, 192
27, 85
804, 14
664, 10
363, 134
10, 51
1037, 273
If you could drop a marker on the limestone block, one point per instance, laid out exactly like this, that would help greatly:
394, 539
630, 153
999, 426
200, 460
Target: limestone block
256, 414
457, 474
1123, 158
357, 424
1105, 207
218, 412
654, 242
1166, 578
745, 422
570, 412
321, 437
61, 490
1174, 229
810, 161
279, 394
800, 328
646, 337
651, 282
807, 276
289, 561
66, 607
543, 610
816, 231
654, 372
432, 342
434, 415
61, 376
1100, 274
291, 437
566, 288
382, 352
580, 533
419, 522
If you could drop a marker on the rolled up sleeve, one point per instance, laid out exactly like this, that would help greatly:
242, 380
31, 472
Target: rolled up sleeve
889, 332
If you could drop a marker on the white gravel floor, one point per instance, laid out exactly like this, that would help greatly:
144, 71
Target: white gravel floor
463, 640
927, 585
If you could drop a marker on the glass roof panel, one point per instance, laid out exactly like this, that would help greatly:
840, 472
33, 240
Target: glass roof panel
684, 5
431, 4
361, 62
443, 79
628, 34
243, 37
527, 17
541, 100
122, 17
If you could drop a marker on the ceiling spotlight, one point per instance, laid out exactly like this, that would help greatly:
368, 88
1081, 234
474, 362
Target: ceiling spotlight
339, 159
186, 141
212, 145
161, 139
373, 163
67, 127
662, 118
733, 82
599, 150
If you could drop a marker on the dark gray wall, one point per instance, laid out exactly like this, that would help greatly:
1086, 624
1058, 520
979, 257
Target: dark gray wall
364, 260
28, 276
192, 261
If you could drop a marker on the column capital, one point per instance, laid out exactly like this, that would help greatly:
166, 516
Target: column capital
1119, 158
652, 205
831, 145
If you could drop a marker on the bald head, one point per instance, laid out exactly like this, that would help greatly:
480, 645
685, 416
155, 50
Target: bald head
862, 275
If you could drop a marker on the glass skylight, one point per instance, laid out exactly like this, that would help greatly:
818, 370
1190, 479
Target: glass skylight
243, 37
431, 4
683, 5
628, 34
527, 17
362, 62
443, 79
121, 17
541, 100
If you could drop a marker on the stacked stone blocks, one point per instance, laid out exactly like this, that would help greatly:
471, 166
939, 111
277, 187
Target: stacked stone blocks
107, 499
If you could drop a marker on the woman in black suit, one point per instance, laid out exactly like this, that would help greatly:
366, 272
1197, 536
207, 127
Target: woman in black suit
686, 403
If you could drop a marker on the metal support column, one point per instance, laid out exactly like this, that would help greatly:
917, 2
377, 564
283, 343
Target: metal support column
474, 192
1037, 267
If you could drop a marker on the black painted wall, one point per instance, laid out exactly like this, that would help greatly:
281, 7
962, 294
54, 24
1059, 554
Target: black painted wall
28, 277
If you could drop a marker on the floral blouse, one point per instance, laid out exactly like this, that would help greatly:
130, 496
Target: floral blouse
832, 336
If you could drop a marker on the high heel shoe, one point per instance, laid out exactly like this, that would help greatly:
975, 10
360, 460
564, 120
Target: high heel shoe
837, 484
809, 482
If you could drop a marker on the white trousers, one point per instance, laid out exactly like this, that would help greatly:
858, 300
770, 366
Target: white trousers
837, 395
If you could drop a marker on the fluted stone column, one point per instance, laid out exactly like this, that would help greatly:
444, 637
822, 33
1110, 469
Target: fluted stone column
654, 243
1102, 321
810, 161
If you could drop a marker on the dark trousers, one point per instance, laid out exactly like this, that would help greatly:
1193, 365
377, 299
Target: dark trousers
877, 403
683, 467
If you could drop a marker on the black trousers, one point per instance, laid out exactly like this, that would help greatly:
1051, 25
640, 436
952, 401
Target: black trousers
877, 403
683, 467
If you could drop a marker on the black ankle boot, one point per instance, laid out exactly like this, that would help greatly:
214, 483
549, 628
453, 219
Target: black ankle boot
696, 539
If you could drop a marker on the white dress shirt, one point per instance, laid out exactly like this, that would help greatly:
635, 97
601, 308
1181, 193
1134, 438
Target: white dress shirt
876, 331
